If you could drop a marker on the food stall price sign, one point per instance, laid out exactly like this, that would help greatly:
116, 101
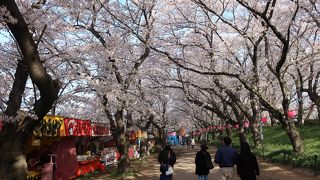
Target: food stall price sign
110, 158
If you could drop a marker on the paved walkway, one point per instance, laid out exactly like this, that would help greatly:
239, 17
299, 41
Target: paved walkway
148, 169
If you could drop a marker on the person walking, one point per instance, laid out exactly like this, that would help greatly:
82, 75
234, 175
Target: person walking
247, 164
192, 143
226, 158
202, 158
149, 147
167, 157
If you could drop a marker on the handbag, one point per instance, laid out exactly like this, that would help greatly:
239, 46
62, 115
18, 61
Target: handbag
169, 171
164, 168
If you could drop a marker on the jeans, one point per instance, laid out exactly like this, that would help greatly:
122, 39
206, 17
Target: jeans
165, 177
202, 177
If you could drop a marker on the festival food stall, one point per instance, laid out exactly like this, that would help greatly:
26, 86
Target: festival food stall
74, 146
44, 141
82, 131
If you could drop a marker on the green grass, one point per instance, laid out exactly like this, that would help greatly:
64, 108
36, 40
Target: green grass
277, 148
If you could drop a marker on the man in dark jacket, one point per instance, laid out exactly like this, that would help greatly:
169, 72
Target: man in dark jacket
167, 156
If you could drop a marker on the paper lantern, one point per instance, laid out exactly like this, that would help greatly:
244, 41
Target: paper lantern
132, 135
264, 120
182, 131
246, 124
144, 135
291, 114
138, 133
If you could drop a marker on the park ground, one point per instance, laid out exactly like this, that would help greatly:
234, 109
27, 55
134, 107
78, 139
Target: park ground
148, 169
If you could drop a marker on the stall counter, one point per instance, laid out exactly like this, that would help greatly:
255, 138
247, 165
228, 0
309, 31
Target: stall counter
87, 166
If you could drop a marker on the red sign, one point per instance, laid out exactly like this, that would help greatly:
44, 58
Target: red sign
77, 127
100, 130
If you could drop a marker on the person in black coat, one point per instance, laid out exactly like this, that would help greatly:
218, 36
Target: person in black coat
247, 164
201, 170
167, 156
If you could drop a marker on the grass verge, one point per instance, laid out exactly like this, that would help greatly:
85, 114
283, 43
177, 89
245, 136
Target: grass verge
277, 148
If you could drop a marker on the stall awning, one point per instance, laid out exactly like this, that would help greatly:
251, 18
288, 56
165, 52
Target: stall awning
77, 127
100, 129
50, 126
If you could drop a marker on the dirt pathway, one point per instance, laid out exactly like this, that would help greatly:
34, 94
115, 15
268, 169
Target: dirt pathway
148, 169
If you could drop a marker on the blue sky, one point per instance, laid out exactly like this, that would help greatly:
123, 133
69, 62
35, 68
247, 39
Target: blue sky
4, 36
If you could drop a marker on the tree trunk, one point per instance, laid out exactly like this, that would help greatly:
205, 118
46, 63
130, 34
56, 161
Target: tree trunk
294, 136
124, 163
299, 88
13, 163
318, 109
12, 151
228, 131
256, 135
19, 84
143, 141
242, 134
273, 120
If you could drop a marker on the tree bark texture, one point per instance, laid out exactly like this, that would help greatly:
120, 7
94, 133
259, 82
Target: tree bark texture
242, 134
124, 163
294, 136
256, 135
19, 84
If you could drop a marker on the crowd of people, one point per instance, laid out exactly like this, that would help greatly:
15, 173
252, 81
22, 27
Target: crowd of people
226, 157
